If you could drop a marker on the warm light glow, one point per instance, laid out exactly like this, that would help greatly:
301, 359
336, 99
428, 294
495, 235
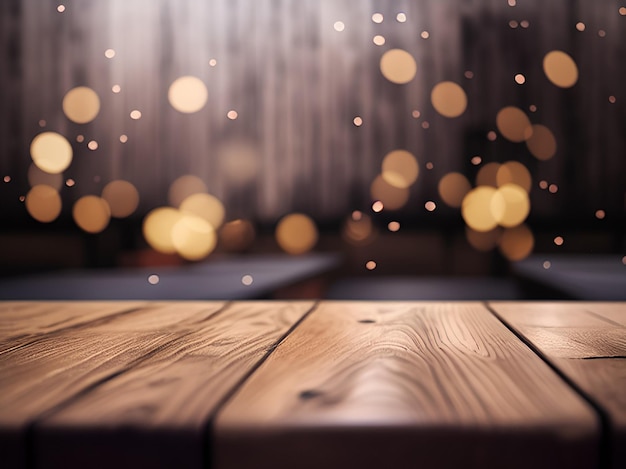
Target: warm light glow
600, 214
560, 69
399, 169
543, 184
476, 160
512, 3
513, 24
429, 165
122, 197
448, 99
6, 178
468, 74
370, 265
424, 35
232, 114
212, 62
247, 280
80, 138
379, 40
541, 142
42, 123
491, 136
70, 183
488, 175
183, 187
36, 177
553, 188
393, 226
425, 125
81, 104
580, 26
116, 88
602, 33
510, 205
524, 24
51, 152
377, 206
430, 206
91, 213
517, 243
43, 203
239, 161
339, 26
187, 94
622, 11
513, 124
398, 66
109, 53
401, 17
61, 8
453, 188
193, 237
391, 197
237, 235
483, 240
123, 138
377, 18
516, 173
416, 114
532, 108
153, 279
296, 233
520, 79
205, 206
92, 145
476, 209
358, 230
612, 99
547, 264
357, 121
157, 228
135, 114
559, 240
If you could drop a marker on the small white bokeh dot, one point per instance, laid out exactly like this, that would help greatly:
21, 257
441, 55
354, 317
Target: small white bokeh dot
247, 280
153, 279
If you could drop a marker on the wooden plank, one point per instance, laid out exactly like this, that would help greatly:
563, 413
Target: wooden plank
156, 414
24, 321
366, 384
590, 349
48, 372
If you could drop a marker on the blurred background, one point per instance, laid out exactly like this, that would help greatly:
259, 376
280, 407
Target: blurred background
405, 149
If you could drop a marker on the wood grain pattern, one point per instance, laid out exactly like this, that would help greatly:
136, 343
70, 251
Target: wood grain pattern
24, 321
404, 385
53, 369
155, 414
590, 349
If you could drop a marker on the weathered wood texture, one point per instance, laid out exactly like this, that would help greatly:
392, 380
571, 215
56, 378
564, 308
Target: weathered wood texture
156, 414
362, 384
48, 372
587, 342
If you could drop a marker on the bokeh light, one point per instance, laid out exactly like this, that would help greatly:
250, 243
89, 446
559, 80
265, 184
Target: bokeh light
36, 177
398, 66
43, 203
476, 209
239, 161
514, 172
370, 265
247, 280
510, 205
377, 18
109, 53
51, 152
488, 175
516, 243
520, 79
237, 235
430, 206
91, 213
452, 188
483, 240
448, 99
513, 124
399, 169
358, 229
187, 94
135, 114
92, 145
559, 240
401, 17
153, 279
157, 228
232, 114
122, 197
193, 237
206, 206
541, 142
379, 40
560, 69
339, 26
183, 187
81, 104
393, 226
391, 197
600, 214
296, 233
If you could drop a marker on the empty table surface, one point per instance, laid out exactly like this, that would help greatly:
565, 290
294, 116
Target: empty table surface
312, 384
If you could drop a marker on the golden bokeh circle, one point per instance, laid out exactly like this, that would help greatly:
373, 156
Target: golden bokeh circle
187, 94
43, 203
183, 187
541, 142
483, 240
453, 187
477, 210
205, 206
510, 205
517, 243
193, 237
122, 197
560, 69
512, 123
237, 235
91, 213
398, 66
157, 228
487, 175
391, 197
296, 233
36, 176
81, 104
400, 168
448, 99
51, 152
514, 172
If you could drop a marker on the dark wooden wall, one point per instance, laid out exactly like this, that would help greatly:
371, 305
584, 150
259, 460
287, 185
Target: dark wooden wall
297, 84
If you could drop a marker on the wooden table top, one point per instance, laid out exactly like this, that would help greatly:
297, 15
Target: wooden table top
306, 384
